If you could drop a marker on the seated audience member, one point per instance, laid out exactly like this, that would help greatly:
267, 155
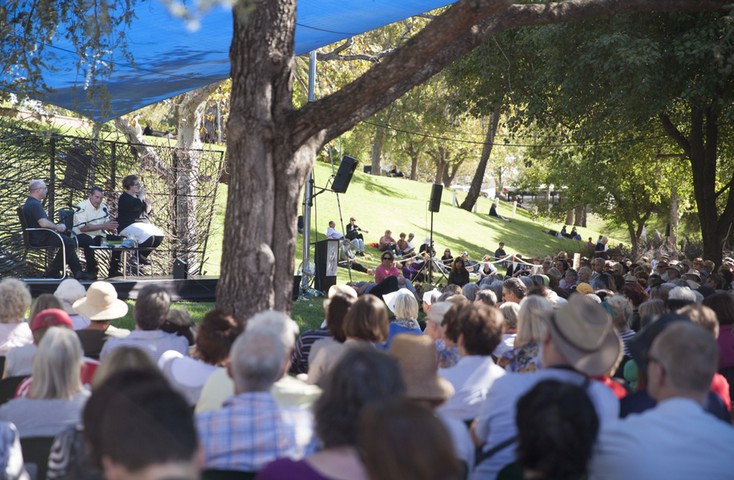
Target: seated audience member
365, 324
179, 322
15, 299
404, 247
580, 342
188, 375
148, 432
402, 440
355, 237
362, 377
19, 360
459, 275
723, 305
250, 429
448, 355
476, 330
636, 294
677, 439
513, 290
56, 396
532, 321
621, 311
642, 400
387, 243
487, 297
311, 341
509, 311
470, 291
348, 259
294, 396
447, 259
68, 292
557, 427
405, 307
73, 454
101, 306
150, 310
387, 269
418, 364
493, 212
11, 461
486, 268
332, 233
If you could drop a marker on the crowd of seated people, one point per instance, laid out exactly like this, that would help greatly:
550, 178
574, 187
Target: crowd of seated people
611, 370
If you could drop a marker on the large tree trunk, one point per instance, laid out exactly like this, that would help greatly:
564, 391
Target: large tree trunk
268, 170
378, 142
701, 148
476, 183
272, 147
580, 216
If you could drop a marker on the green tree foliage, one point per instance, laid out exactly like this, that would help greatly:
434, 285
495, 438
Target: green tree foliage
666, 79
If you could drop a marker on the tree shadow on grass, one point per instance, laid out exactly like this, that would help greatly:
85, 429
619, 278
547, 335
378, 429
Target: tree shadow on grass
375, 187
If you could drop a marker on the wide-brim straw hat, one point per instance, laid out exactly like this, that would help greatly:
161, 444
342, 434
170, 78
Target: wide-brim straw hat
582, 331
101, 303
68, 292
417, 358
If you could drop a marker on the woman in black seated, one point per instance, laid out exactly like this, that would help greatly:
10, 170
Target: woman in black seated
459, 275
132, 210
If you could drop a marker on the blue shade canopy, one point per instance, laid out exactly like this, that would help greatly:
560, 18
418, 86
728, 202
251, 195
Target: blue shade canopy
170, 59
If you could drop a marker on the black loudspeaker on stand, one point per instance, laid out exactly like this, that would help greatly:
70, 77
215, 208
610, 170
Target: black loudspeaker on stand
435, 203
344, 174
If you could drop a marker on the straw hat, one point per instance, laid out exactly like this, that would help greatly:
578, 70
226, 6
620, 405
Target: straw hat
583, 333
101, 303
68, 292
417, 358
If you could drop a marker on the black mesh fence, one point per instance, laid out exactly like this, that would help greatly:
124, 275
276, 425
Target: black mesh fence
182, 184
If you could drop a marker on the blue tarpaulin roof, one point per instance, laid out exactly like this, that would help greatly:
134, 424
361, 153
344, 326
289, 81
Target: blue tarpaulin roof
170, 59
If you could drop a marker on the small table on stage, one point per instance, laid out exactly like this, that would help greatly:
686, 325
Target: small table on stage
119, 248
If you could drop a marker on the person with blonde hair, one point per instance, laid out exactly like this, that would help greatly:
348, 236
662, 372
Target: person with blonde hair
405, 307
56, 397
19, 360
531, 327
15, 298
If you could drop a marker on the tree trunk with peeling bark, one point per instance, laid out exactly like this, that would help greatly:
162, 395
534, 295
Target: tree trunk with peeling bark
272, 146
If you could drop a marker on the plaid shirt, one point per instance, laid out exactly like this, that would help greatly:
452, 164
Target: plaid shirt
246, 433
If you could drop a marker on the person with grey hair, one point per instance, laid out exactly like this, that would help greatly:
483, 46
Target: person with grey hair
513, 290
36, 217
677, 439
470, 291
486, 296
679, 297
250, 429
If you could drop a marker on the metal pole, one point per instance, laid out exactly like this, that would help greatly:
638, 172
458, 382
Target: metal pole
308, 191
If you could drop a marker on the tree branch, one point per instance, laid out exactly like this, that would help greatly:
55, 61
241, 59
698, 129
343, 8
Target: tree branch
675, 134
457, 31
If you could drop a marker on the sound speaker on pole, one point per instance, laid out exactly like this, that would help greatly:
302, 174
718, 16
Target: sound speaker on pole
344, 174
435, 203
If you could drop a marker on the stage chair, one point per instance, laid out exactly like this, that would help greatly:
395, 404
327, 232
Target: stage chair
27, 241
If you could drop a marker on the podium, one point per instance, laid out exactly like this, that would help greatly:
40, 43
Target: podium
326, 258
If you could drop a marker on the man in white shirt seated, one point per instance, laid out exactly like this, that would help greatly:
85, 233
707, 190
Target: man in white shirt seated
677, 439
92, 221
580, 342
331, 232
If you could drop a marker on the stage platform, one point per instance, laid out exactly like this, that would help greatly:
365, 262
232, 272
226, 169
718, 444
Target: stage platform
195, 289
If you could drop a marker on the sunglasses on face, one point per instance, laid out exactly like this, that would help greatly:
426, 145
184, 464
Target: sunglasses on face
387, 258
